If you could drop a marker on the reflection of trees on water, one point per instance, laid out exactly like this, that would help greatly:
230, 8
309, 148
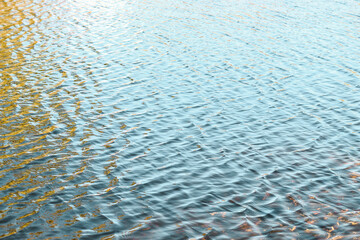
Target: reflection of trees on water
46, 138
46, 141
35, 126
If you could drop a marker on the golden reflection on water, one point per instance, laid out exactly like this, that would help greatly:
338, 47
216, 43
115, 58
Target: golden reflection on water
28, 149
37, 131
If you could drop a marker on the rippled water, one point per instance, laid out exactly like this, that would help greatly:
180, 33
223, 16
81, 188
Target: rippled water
179, 119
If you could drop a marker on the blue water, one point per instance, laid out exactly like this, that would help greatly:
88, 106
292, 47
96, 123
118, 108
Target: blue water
179, 119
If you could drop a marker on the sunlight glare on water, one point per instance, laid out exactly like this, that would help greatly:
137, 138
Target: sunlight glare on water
179, 119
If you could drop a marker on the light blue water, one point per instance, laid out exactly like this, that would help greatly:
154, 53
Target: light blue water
179, 119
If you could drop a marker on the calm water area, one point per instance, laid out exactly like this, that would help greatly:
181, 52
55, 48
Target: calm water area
178, 119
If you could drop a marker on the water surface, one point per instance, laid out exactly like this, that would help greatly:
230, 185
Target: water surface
179, 119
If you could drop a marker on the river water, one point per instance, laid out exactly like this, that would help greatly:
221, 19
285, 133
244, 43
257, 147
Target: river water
179, 119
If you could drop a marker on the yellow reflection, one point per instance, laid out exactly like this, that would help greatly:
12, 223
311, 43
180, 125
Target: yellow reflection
30, 113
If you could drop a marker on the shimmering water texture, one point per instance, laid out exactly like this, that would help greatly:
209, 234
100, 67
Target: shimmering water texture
179, 119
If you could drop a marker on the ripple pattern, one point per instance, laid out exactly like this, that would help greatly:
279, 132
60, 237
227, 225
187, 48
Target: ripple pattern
179, 119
